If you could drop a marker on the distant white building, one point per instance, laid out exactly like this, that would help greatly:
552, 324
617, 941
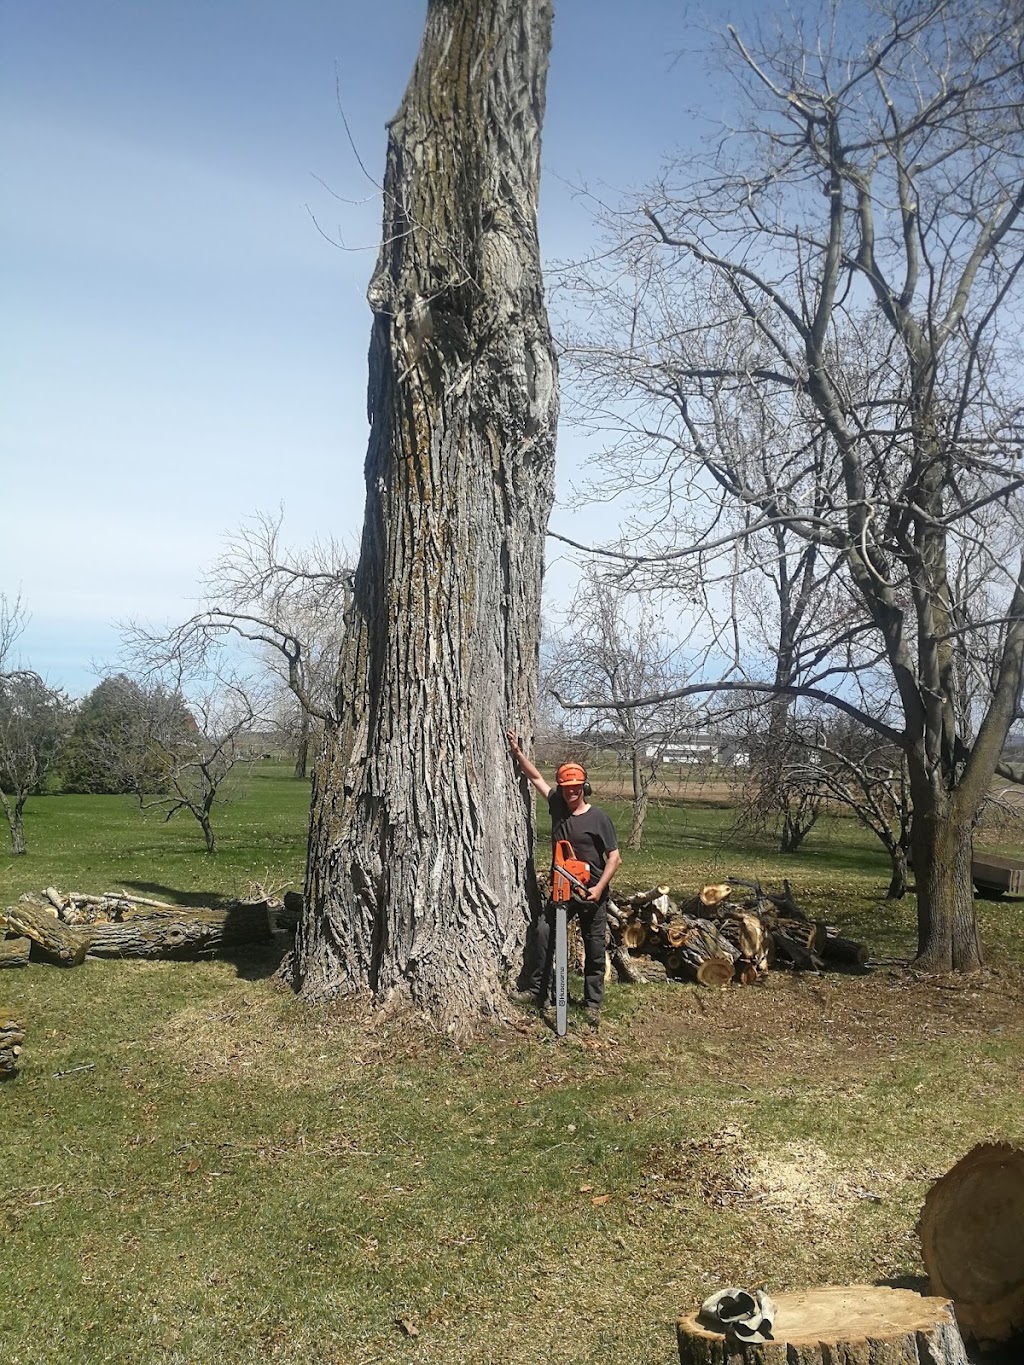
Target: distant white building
717, 751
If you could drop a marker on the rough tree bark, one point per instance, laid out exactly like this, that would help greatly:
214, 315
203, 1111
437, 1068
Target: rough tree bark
420, 866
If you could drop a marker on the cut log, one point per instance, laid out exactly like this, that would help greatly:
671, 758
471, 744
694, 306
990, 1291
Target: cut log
14, 951
971, 1240
835, 948
184, 932
858, 1324
634, 935
748, 935
704, 944
54, 941
11, 1039
790, 950
716, 971
810, 934
641, 898
706, 898
675, 933
637, 971
137, 900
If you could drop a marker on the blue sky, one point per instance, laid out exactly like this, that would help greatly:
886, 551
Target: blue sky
181, 345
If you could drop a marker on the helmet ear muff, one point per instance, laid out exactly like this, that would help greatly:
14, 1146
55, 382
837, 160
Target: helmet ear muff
587, 788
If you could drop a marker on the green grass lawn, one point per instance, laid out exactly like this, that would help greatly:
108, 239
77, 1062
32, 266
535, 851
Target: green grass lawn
201, 1169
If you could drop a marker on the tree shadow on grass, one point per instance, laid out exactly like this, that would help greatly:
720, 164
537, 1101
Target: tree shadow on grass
258, 961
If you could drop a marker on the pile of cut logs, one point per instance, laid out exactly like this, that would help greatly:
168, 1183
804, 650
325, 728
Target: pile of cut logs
721, 934
65, 929
11, 1038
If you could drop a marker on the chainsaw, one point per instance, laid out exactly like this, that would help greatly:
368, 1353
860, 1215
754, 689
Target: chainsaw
569, 874
569, 877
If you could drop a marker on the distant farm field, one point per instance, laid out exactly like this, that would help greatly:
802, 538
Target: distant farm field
198, 1168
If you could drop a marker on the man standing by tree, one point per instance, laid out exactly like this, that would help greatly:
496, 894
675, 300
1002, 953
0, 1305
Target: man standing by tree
594, 841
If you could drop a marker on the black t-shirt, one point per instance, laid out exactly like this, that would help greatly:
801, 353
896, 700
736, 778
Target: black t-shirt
591, 834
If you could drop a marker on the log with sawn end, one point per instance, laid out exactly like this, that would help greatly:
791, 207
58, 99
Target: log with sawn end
705, 956
11, 1038
844, 951
56, 942
637, 971
184, 932
971, 1244
705, 899
641, 898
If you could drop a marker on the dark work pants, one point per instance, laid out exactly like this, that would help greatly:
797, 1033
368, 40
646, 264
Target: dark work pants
593, 920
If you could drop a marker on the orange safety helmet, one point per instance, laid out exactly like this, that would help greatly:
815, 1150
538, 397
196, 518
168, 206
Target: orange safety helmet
572, 775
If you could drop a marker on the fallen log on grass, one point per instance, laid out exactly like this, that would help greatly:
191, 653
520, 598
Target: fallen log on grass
11, 1039
54, 940
183, 932
14, 952
843, 951
858, 1324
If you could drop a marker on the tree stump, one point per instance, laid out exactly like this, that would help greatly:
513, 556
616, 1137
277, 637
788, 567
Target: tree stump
972, 1243
854, 1324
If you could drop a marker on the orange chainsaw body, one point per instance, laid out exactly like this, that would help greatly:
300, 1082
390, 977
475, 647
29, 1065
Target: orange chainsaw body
576, 872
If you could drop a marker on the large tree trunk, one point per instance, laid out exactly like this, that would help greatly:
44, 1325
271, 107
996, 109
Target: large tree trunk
947, 926
14, 822
302, 747
898, 880
641, 789
420, 875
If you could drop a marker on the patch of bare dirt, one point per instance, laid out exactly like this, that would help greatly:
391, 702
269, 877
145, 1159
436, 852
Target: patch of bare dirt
829, 1025
728, 1170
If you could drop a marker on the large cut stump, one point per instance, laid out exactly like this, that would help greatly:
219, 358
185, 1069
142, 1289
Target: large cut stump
972, 1240
852, 1324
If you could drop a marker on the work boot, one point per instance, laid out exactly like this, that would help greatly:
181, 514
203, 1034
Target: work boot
594, 1016
528, 999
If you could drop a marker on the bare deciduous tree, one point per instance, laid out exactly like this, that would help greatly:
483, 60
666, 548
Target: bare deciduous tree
852, 255
174, 754
289, 604
35, 721
613, 646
